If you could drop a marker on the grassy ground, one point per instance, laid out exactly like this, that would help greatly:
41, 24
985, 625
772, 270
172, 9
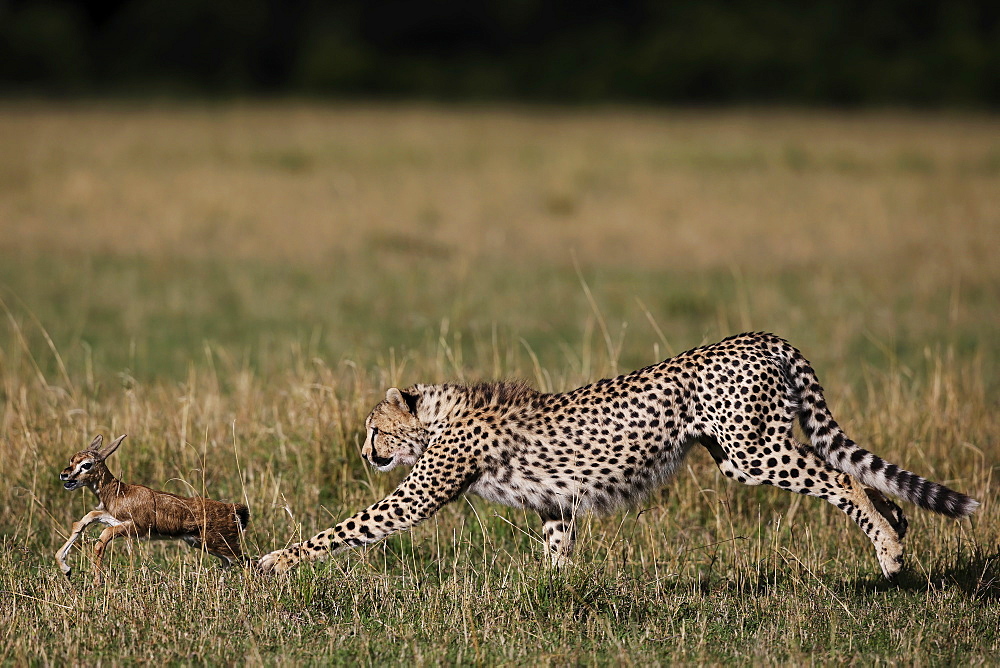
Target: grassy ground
235, 286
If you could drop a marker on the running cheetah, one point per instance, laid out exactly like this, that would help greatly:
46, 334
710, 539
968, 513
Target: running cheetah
605, 445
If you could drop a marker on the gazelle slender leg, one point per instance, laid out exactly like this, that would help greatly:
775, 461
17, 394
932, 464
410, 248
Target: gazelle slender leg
77, 531
107, 536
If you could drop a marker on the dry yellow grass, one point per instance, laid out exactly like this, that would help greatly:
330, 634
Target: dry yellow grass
671, 189
235, 286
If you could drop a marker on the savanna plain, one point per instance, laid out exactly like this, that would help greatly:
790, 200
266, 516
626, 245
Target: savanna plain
235, 286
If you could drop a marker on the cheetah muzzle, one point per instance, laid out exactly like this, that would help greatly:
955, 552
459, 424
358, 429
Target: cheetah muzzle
604, 446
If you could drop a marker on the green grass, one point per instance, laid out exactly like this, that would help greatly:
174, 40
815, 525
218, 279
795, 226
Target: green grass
236, 286
262, 312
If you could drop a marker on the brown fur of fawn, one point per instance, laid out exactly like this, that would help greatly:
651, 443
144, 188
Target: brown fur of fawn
136, 511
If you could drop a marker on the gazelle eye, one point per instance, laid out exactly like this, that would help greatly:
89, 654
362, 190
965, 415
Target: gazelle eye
86, 465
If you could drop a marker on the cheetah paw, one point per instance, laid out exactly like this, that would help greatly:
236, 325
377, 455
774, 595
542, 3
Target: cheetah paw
278, 562
561, 562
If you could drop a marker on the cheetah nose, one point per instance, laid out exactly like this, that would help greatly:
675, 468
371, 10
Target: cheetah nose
63, 476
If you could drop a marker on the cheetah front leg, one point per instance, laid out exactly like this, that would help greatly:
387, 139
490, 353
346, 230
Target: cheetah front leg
560, 537
436, 479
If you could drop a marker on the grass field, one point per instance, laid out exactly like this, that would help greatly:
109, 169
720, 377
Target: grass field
235, 286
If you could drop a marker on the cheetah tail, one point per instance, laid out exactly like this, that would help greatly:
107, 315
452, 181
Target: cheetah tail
830, 442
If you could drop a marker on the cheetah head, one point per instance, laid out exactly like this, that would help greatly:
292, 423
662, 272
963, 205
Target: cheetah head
395, 435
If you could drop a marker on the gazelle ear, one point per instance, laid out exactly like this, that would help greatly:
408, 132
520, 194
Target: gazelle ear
405, 400
96, 443
108, 451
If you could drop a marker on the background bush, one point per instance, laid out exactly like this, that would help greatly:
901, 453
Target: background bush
849, 52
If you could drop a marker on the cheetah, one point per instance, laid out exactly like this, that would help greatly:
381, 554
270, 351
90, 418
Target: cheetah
606, 445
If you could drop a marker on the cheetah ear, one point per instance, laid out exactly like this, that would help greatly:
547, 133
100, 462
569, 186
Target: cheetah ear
108, 451
405, 400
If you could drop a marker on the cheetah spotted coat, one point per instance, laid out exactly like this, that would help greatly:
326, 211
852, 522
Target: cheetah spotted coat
605, 445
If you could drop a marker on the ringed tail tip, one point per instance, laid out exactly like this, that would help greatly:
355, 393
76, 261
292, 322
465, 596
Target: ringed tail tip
959, 506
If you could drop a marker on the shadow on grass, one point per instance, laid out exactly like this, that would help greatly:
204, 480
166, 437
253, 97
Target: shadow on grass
976, 573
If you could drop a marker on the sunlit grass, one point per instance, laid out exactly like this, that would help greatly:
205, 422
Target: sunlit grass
236, 286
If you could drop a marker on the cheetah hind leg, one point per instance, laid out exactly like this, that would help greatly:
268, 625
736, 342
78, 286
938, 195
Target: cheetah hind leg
892, 513
796, 468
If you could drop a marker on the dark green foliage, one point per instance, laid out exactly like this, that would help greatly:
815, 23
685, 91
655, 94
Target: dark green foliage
687, 51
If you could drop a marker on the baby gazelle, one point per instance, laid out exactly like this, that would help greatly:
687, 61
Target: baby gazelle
137, 511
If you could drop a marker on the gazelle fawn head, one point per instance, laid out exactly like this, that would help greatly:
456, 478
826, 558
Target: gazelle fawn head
85, 465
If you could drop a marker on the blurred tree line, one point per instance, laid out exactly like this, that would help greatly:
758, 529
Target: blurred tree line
846, 52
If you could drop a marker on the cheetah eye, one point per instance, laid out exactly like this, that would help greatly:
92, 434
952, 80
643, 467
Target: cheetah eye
86, 466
